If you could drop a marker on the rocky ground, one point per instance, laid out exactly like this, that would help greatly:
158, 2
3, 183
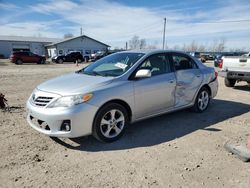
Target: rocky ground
181, 149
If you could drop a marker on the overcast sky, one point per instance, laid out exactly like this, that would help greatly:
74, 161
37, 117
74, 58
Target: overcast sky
115, 22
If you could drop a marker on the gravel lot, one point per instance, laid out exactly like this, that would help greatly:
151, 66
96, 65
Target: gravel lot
181, 149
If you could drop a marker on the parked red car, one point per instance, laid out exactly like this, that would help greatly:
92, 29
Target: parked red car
26, 57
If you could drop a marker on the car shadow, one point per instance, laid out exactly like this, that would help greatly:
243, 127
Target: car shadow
243, 88
163, 128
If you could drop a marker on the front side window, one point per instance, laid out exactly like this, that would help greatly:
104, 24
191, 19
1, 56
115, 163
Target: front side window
113, 65
183, 62
157, 64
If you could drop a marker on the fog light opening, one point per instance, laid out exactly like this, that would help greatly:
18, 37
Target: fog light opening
66, 125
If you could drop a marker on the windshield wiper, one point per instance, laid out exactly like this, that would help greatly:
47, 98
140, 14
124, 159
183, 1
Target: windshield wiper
94, 73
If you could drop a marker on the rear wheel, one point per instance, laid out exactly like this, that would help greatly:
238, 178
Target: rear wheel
229, 82
202, 100
41, 61
110, 122
19, 62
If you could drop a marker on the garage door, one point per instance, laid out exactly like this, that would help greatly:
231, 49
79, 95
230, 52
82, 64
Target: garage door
20, 47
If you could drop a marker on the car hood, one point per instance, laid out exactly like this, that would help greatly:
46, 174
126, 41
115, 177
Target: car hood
74, 83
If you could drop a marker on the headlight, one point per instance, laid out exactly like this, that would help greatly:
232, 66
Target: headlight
68, 101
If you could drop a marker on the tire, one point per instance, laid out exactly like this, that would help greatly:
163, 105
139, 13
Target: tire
106, 128
86, 59
42, 61
60, 61
229, 82
19, 62
202, 100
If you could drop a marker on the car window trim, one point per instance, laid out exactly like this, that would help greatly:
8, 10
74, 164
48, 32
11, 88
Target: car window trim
184, 55
132, 75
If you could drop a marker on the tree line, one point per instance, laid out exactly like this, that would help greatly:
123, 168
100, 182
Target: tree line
217, 45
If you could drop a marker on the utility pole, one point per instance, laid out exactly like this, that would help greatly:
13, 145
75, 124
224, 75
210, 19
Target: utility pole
164, 33
126, 45
81, 31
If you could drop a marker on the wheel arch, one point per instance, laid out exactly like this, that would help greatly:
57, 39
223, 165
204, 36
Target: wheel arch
122, 103
208, 88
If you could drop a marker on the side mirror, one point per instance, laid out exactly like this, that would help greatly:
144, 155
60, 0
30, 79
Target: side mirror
143, 73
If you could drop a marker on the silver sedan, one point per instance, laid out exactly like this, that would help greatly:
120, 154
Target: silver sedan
122, 88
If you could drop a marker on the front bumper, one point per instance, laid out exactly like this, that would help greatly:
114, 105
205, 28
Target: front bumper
81, 117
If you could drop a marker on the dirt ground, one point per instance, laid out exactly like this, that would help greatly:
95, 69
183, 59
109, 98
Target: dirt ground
181, 149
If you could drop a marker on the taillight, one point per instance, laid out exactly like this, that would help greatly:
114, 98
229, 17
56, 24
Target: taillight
221, 64
216, 74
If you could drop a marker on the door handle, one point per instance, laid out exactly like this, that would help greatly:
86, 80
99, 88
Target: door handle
198, 75
171, 81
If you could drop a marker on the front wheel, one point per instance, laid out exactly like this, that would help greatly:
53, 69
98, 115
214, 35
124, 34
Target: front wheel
86, 59
110, 122
202, 100
60, 61
229, 82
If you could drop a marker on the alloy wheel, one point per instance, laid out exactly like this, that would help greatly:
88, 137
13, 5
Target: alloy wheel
112, 123
203, 100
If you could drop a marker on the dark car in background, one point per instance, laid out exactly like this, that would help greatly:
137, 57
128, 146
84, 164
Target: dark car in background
70, 57
98, 55
26, 57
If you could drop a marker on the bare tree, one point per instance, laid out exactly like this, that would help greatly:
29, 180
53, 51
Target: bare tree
143, 44
151, 47
221, 45
176, 47
193, 46
137, 43
134, 43
68, 35
201, 48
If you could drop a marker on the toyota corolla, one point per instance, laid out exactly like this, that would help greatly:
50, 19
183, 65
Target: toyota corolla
104, 97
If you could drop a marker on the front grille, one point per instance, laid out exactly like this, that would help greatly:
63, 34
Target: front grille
42, 101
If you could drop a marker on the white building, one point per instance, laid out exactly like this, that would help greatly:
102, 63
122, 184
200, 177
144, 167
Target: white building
9, 44
50, 46
83, 44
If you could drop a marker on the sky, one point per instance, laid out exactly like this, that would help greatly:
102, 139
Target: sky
116, 21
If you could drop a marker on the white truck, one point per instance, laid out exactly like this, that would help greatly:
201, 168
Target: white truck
235, 69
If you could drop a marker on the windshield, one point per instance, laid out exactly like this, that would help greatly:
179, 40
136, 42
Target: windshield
112, 65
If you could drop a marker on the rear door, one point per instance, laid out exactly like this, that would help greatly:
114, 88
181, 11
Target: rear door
188, 78
33, 57
25, 56
155, 94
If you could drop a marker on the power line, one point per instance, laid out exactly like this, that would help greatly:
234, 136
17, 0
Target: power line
226, 21
212, 22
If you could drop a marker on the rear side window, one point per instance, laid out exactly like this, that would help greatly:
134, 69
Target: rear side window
182, 62
21, 53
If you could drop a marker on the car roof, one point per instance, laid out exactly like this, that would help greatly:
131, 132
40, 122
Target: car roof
149, 52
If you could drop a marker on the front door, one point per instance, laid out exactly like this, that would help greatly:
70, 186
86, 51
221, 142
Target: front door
155, 94
188, 78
